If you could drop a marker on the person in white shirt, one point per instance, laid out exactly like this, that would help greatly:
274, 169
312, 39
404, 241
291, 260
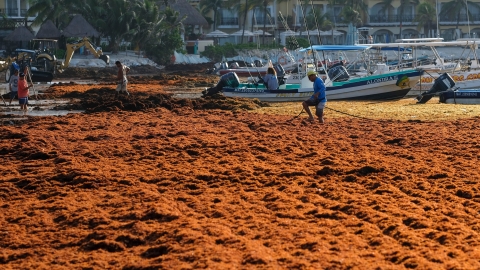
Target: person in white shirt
122, 78
13, 86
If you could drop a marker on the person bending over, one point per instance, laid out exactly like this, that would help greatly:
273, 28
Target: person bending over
122, 78
318, 99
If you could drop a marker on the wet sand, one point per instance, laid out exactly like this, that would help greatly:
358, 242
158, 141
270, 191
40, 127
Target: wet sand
157, 182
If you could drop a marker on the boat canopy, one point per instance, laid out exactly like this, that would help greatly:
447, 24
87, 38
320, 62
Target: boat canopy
398, 49
427, 44
336, 48
408, 40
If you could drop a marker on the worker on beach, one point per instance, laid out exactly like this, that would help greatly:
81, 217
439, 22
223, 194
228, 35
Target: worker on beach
23, 92
122, 78
318, 99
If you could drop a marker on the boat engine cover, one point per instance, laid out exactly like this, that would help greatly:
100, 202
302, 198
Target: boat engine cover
279, 69
338, 74
228, 80
441, 84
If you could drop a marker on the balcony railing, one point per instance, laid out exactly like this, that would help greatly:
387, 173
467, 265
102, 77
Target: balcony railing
228, 21
411, 19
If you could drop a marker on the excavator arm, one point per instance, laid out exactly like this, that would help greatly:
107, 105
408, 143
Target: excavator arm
72, 47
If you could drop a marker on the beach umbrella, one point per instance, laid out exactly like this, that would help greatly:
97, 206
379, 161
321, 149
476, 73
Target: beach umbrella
261, 33
48, 30
289, 33
330, 32
239, 33
20, 33
217, 33
79, 27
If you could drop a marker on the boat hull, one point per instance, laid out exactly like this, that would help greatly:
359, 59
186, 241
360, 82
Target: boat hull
463, 80
460, 97
379, 87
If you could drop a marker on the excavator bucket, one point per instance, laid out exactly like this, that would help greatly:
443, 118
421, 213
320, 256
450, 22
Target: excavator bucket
105, 58
41, 76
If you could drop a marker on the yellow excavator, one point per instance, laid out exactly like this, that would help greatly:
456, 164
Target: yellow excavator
42, 62
72, 47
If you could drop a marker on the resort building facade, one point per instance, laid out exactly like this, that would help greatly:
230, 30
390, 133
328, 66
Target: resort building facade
383, 20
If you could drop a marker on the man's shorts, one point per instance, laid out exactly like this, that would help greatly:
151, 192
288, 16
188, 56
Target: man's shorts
13, 94
122, 86
321, 105
311, 102
23, 100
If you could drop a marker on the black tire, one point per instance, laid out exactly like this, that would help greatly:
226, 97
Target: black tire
43, 64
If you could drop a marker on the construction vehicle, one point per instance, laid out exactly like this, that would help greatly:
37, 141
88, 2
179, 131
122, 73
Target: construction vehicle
41, 60
43, 63
72, 47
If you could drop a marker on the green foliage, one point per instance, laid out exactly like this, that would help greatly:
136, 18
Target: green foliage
216, 53
162, 51
60, 54
291, 43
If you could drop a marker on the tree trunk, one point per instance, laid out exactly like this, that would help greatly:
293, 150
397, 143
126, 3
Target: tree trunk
244, 20
215, 19
264, 20
401, 21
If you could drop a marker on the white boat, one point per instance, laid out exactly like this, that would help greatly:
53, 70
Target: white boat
448, 92
286, 60
460, 97
466, 75
339, 86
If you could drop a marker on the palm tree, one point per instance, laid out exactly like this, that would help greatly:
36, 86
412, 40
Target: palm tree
426, 16
320, 22
356, 5
211, 5
332, 4
401, 9
146, 22
242, 8
262, 6
117, 21
56, 10
453, 9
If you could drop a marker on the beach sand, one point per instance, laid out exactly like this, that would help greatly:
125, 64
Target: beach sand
156, 182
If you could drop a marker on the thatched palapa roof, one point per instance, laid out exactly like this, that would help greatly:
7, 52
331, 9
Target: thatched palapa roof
48, 30
20, 33
79, 27
193, 17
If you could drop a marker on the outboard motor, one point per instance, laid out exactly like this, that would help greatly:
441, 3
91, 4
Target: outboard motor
280, 73
441, 84
227, 80
338, 73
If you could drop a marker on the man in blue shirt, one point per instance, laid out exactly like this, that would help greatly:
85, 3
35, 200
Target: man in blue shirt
318, 99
